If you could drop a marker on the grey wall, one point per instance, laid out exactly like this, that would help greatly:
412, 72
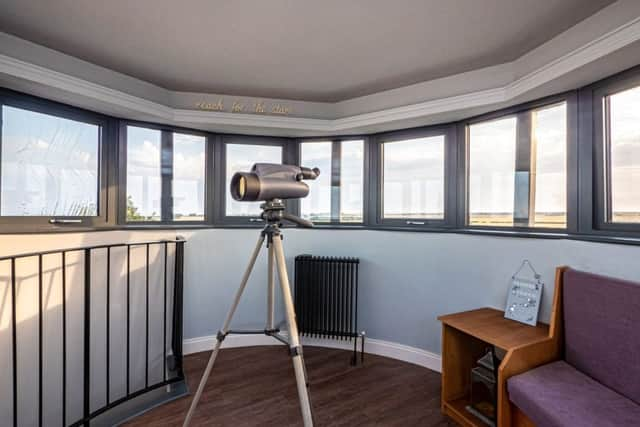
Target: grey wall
407, 279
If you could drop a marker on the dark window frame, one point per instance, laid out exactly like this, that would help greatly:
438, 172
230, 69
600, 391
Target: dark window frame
584, 198
601, 174
289, 155
523, 113
336, 178
105, 192
376, 203
166, 173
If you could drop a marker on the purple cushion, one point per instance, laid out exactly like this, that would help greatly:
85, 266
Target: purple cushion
557, 394
602, 330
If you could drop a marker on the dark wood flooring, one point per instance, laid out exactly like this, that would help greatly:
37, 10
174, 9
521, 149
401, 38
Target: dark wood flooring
255, 386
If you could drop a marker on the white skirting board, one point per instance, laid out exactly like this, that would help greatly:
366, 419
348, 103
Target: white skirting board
372, 346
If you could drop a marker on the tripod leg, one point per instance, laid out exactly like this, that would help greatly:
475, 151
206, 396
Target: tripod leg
271, 290
223, 331
294, 340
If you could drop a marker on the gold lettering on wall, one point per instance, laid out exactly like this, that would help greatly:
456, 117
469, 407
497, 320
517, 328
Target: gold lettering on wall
237, 107
259, 107
217, 106
280, 109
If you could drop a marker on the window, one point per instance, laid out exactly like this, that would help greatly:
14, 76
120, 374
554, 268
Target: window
413, 179
189, 159
492, 155
317, 205
622, 136
50, 166
337, 194
241, 157
352, 181
517, 170
549, 142
165, 176
144, 177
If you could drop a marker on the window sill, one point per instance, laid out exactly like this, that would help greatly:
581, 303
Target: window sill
596, 237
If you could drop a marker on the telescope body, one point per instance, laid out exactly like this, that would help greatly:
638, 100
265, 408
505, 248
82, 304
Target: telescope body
268, 181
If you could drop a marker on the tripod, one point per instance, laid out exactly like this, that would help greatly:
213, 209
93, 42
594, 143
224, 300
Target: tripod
273, 214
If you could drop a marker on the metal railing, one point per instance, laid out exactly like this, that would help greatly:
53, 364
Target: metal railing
170, 286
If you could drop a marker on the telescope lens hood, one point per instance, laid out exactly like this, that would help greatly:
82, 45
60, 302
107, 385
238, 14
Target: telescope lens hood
245, 187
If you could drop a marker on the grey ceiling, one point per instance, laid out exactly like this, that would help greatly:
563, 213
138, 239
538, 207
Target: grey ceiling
297, 49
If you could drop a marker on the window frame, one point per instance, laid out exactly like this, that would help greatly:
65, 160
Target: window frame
601, 159
220, 170
105, 192
450, 177
523, 112
336, 176
166, 159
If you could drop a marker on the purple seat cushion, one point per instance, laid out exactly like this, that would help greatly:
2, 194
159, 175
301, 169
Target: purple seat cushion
557, 394
602, 330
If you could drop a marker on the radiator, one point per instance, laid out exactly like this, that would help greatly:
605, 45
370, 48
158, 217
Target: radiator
326, 298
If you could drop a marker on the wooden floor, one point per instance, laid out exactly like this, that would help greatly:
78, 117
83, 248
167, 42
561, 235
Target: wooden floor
256, 387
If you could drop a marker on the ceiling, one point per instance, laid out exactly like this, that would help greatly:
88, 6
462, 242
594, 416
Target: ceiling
292, 49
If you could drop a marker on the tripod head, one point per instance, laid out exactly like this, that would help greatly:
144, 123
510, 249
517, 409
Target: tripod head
273, 213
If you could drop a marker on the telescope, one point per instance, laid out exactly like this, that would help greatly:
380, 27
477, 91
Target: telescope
269, 181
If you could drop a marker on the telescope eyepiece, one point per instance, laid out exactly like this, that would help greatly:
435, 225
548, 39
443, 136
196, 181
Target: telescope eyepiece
307, 173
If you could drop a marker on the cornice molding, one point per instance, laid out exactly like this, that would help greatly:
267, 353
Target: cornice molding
139, 107
73, 85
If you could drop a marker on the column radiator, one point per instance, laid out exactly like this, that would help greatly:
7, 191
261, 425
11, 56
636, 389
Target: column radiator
326, 299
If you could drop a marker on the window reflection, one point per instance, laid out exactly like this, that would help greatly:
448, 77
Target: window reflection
549, 143
624, 156
317, 205
492, 154
49, 165
189, 153
352, 181
144, 184
413, 178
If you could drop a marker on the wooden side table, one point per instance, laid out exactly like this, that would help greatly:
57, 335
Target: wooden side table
466, 335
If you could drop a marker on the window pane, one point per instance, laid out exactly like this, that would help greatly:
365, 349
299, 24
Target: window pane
49, 165
625, 156
413, 178
144, 188
317, 205
240, 158
549, 143
351, 181
492, 155
188, 177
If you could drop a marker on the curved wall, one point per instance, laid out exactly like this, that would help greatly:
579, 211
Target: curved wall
407, 279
